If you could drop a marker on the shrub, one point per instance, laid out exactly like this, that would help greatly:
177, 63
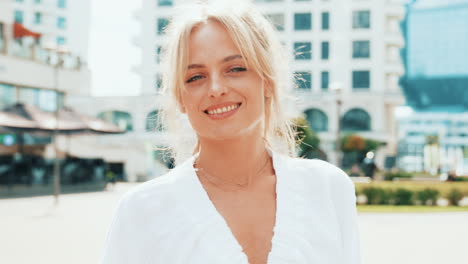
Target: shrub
390, 176
428, 195
377, 195
454, 196
403, 197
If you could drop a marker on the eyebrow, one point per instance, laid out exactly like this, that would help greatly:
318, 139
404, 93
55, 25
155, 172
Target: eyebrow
228, 58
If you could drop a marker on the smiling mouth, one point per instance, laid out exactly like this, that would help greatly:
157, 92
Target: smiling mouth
222, 110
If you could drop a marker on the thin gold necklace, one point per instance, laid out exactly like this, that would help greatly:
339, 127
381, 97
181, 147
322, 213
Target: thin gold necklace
208, 175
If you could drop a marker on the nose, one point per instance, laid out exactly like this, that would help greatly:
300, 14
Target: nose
217, 87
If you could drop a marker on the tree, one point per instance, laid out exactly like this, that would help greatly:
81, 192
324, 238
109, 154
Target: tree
355, 148
308, 142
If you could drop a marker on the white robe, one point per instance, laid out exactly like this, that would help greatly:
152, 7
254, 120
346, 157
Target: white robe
171, 220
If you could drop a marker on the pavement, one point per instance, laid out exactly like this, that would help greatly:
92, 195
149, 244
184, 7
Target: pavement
34, 231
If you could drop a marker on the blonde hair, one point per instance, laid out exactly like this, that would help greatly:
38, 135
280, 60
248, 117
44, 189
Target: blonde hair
259, 45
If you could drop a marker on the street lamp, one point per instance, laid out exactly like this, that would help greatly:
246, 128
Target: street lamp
59, 51
337, 87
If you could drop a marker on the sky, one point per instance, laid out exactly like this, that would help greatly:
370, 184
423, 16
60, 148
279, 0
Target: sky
112, 53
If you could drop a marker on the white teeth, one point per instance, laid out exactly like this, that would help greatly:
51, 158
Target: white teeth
223, 110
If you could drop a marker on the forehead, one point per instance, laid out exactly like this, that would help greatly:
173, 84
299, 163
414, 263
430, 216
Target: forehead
210, 41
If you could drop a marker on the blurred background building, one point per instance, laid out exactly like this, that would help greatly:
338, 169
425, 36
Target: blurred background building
35, 66
340, 50
435, 86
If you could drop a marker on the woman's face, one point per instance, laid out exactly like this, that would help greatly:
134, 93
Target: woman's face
223, 98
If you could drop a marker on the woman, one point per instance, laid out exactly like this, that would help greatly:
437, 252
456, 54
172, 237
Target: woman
237, 199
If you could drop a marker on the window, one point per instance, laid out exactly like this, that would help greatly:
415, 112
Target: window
303, 80
121, 119
325, 50
61, 22
325, 21
361, 19
19, 16
356, 120
61, 41
158, 54
317, 120
277, 20
361, 49
267, 1
61, 3
303, 21
28, 96
303, 50
37, 18
164, 2
158, 81
324, 80
361, 79
2, 39
7, 95
152, 122
162, 23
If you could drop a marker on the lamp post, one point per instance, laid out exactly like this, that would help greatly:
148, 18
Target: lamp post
59, 51
337, 87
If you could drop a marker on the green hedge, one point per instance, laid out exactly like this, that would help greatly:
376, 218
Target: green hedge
410, 193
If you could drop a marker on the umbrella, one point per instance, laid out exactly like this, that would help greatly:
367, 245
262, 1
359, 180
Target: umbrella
92, 124
46, 121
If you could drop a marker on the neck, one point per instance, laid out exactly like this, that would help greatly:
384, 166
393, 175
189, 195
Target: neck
239, 160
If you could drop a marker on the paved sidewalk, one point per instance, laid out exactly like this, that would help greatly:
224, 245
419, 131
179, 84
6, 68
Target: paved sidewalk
32, 231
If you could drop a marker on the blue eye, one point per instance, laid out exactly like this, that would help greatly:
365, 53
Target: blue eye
194, 78
238, 69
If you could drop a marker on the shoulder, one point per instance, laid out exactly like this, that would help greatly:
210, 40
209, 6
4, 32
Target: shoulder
320, 170
156, 192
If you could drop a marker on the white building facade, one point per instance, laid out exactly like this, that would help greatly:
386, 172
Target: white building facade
61, 22
26, 75
350, 45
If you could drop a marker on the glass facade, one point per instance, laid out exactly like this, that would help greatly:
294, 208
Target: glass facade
325, 21
325, 50
277, 20
303, 80
325, 77
361, 49
302, 21
303, 50
361, 19
361, 79
161, 25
